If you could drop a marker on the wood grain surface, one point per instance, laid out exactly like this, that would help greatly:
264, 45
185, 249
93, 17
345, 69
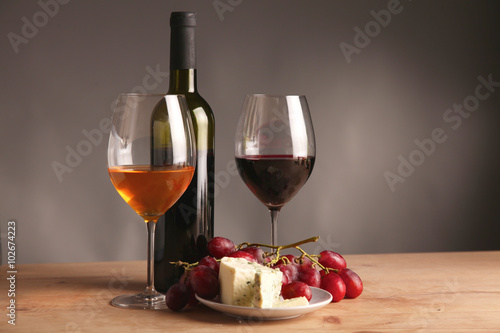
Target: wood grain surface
418, 292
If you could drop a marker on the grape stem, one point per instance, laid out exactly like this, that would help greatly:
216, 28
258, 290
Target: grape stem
281, 247
277, 258
295, 245
185, 264
307, 255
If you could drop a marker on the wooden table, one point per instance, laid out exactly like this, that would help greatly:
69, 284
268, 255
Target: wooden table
438, 292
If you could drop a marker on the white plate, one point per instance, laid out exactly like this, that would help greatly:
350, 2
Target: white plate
319, 299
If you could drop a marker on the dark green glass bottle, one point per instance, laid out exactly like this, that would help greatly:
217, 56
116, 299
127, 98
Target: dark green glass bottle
184, 231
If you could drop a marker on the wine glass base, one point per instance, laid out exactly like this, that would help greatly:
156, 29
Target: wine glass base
140, 301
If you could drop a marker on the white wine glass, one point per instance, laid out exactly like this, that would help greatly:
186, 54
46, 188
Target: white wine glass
151, 160
275, 149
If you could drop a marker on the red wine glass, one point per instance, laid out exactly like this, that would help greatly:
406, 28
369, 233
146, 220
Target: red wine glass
275, 149
143, 128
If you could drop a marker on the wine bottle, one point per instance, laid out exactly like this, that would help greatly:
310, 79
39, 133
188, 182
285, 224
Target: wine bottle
184, 231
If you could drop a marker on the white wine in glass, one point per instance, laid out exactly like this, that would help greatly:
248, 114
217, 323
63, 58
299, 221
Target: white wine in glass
151, 161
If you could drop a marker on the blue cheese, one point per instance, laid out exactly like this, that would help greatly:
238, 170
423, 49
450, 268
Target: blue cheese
245, 283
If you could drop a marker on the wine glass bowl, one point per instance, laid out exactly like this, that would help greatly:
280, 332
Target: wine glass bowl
275, 149
151, 161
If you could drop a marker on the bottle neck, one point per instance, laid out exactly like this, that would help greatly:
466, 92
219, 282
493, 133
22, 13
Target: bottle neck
182, 47
182, 81
182, 54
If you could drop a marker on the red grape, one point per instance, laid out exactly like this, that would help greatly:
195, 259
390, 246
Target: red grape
332, 259
294, 268
353, 283
204, 282
322, 273
289, 266
242, 254
192, 298
187, 281
210, 262
203, 268
290, 258
220, 247
296, 289
255, 251
334, 284
287, 274
304, 264
311, 277
291, 269
286, 278
177, 296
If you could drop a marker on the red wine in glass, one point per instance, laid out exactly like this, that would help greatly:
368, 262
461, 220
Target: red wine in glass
275, 179
275, 149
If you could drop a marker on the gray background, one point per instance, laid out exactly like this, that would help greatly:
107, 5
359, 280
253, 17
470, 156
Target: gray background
366, 112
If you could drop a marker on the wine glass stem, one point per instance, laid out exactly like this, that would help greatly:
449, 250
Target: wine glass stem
274, 225
150, 289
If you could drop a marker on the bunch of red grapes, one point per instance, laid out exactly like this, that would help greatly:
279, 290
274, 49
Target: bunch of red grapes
329, 272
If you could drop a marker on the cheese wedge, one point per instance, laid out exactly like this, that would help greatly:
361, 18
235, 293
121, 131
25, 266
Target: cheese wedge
245, 283
292, 302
